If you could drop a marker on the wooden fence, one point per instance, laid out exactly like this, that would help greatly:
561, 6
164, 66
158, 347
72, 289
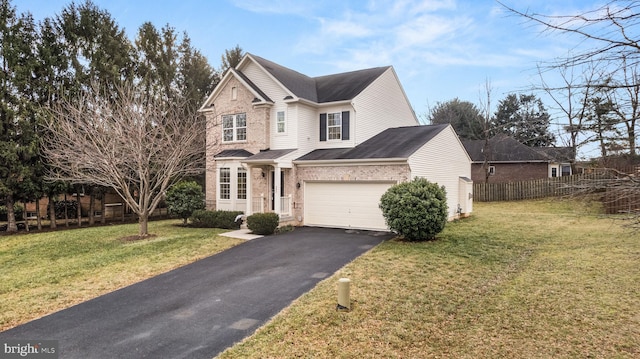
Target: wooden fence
618, 190
539, 188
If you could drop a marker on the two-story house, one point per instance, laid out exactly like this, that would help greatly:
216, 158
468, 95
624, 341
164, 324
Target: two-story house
322, 150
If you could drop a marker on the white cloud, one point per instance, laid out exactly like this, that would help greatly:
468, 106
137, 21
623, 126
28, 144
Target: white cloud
282, 7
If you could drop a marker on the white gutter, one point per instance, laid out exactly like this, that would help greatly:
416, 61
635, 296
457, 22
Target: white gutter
351, 161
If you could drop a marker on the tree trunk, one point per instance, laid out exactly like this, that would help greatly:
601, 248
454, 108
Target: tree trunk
24, 216
52, 213
79, 207
66, 214
143, 221
92, 202
38, 217
103, 207
11, 216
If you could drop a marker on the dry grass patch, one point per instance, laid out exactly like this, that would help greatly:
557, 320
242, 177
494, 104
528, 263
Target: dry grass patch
532, 279
44, 272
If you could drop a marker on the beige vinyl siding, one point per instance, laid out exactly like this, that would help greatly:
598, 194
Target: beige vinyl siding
381, 105
308, 123
443, 160
289, 138
277, 94
333, 143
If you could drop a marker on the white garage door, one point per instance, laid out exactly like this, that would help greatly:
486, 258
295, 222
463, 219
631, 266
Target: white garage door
344, 204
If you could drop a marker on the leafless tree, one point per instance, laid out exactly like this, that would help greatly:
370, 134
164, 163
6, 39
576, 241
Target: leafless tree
572, 98
137, 147
607, 34
485, 108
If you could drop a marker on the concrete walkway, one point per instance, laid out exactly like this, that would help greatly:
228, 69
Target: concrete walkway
199, 310
241, 234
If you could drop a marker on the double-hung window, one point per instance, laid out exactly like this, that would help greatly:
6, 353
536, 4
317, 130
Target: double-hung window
280, 122
242, 183
334, 126
234, 127
225, 183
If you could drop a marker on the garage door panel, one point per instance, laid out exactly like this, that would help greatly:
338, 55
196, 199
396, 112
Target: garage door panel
345, 204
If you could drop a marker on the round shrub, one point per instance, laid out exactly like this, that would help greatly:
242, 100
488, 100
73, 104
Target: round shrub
416, 210
263, 223
185, 197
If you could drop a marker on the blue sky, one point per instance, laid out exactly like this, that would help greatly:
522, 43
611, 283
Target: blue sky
440, 49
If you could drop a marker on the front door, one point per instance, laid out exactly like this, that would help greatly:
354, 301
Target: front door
273, 188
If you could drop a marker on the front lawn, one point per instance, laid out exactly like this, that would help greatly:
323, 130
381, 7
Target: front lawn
44, 272
531, 279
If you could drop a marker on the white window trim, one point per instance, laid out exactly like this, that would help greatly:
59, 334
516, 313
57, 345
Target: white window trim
339, 125
491, 170
234, 128
220, 183
278, 122
240, 170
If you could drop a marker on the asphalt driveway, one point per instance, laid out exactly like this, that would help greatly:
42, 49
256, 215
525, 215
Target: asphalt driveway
199, 310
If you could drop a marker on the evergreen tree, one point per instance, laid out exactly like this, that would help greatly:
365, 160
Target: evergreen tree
96, 47
18, 137
231, 58
524, 118
464, 116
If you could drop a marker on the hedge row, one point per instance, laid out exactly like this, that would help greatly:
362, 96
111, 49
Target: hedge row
215, 219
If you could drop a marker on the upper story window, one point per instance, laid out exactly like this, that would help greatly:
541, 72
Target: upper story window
234, 93
280, 122
334, 126
234, 127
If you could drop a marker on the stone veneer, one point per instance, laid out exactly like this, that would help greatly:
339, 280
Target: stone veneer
257, 129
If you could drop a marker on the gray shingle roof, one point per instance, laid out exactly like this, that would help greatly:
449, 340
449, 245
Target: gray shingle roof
269, 155
558, 154
239, 153
504, 148
399, 142
336, 87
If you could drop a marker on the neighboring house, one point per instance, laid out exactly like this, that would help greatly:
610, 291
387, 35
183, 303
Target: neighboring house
504, 159
322, 150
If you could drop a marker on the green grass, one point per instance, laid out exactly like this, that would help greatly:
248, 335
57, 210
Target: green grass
44, 272
531, 279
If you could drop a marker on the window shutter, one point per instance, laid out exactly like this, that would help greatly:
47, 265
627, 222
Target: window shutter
323, 127
345, 125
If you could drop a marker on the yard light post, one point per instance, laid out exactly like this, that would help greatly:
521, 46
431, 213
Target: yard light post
343, 294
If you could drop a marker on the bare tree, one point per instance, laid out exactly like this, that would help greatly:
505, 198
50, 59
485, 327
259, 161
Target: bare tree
627, 104
137, 147
609, 31
607, 35
485, 106
572, 99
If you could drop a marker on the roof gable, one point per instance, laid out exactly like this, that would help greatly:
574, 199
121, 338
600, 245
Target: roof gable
322, 89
